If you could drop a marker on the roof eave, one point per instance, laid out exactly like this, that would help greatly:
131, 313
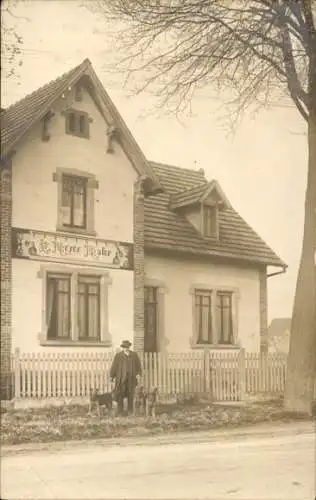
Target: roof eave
217, 255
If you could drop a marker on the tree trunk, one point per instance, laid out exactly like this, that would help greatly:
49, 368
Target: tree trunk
301, 366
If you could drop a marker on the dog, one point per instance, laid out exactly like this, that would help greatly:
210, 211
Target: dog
139, 403
97, 400
151, 402
145, 402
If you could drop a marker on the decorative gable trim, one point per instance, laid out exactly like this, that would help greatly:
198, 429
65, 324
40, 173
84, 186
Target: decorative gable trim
199, 195
35, 106
214, 186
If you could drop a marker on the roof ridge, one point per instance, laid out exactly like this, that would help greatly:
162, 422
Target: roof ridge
200, 184
86, 61
177, 167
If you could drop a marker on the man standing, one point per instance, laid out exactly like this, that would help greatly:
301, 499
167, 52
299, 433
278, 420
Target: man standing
125, 372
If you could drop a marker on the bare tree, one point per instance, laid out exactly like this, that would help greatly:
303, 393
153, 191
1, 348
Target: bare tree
254, 49
11, 56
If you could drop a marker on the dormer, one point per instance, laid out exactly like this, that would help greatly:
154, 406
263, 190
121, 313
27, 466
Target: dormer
201, 205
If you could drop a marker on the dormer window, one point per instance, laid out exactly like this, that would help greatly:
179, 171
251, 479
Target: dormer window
210, 221
77, 123
201, 206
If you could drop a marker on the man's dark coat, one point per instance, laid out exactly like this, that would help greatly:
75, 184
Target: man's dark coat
125, 369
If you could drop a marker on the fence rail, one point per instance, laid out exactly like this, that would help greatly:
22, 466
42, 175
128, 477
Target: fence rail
230, 376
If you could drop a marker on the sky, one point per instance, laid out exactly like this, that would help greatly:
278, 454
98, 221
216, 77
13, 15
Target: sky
261, 168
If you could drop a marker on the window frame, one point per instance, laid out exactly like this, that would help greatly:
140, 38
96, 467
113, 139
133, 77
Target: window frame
59, 277
210, 227
87, 310
216, 340
74, 273
91, 185
202, 294
161, 291
154, 305
221, 294
72, 225
77, 116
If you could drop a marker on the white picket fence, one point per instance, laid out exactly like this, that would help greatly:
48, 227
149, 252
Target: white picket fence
230, 376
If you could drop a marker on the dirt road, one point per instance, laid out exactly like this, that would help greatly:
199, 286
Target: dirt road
274, 465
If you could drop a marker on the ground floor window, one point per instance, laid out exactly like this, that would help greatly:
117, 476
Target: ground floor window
150, 318
58, 306
75, 306
214, 317
224, 318
89, 307
203, 316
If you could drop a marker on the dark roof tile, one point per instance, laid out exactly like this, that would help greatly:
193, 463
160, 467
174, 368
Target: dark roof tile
168, 230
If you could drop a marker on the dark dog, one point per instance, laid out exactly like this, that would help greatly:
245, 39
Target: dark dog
97, 400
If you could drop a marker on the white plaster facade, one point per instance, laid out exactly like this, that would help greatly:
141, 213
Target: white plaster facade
35, 207
176, 278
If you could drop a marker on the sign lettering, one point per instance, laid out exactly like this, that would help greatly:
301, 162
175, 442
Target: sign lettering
40, 245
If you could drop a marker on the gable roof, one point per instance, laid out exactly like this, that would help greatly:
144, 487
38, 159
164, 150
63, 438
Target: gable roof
197, 194
170, 231
21, 116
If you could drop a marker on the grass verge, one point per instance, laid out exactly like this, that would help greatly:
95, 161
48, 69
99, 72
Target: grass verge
72, 422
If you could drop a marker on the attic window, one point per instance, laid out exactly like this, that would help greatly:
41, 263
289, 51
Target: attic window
78, 92
210, 221
77, 123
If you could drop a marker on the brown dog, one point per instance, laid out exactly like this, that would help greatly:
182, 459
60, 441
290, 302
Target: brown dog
151, 402
145, 402
97, 400
139, 403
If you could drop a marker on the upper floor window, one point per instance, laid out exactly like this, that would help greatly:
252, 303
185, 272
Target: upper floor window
77, 123
74, 201
210, 221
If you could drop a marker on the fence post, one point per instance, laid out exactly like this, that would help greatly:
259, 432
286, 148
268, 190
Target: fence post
17, 374
207, 373
242, 374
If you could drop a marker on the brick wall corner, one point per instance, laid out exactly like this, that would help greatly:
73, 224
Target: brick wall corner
139, 254
6, 280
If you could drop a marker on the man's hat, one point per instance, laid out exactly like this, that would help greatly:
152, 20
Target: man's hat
126, 344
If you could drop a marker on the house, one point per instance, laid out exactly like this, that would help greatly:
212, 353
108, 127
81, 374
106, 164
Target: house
99, 244
279, 333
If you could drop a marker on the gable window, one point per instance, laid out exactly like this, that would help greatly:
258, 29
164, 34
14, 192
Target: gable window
75, 309
77, 123
224, 317
74, 201
210, 221
203, 316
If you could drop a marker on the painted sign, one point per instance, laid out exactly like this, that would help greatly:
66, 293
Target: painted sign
40, 245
